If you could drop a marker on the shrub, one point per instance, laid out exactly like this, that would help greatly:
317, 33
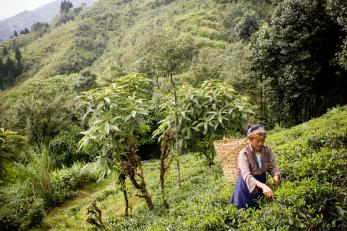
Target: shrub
37, 189
63, 148
19, 210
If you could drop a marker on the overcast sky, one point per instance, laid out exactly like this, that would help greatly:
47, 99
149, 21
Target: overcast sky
10, 8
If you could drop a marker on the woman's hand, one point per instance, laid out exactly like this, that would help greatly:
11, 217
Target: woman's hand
267, 190
277, 179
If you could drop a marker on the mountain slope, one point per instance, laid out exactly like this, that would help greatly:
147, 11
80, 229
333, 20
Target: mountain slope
312, 157
26, 19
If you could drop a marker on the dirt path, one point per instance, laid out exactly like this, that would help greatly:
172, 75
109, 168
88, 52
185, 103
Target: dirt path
72, 214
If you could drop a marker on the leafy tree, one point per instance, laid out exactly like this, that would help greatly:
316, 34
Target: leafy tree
17, 55
65, 6
86, 80
117, 116
11, 72
206, 113
246, 26
291, 56
2, 74
338, 10
170, 60
15, 34
11, 146
43, 111
24, 32
4, 51
40, 28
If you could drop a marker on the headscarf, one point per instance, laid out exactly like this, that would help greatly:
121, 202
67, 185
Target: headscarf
255, 129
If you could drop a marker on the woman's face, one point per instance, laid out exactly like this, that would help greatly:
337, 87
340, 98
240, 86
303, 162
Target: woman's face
258, 141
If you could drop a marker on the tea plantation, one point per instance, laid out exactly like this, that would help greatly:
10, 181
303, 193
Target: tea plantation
312, 195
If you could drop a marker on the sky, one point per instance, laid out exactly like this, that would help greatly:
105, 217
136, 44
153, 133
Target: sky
10, 8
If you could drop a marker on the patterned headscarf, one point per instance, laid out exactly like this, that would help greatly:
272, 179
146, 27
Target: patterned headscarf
255, 129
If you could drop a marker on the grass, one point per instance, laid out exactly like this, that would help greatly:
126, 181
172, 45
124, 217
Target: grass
72, 214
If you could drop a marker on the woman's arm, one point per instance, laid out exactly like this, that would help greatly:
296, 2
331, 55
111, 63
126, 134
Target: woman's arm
273, 170
251, 182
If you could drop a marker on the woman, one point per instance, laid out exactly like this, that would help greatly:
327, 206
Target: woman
254, 161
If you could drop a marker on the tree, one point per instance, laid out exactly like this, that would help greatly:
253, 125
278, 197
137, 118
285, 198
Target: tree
40, 28
293, 58
170, 60
17, 55
246, 26
117, 116
213, 110
85, 81
338, 10
2, 74
4, 51
65, 6
11, 72
43, 110
15, 34
11, 146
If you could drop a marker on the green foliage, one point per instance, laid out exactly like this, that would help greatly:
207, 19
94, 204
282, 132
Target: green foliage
315, 150
247, 25
297, 206
36, 188
12, 147
86, 81
66, 182
117, 117
171, 58
289, 57
204, 114
18, 210
63, 148
115, 114
41, 110
311, 196
65, 6
9, 69
302, 201
40, 28
338, 10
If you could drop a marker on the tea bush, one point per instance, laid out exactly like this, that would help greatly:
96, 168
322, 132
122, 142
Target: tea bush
312, 195
19, 210
38, 188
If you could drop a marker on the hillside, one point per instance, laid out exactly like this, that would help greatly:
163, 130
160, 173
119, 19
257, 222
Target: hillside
228, 40
26, 19
101, 88
312, 157
112, 38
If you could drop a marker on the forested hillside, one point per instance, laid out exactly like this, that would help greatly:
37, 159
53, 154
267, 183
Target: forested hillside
99, 89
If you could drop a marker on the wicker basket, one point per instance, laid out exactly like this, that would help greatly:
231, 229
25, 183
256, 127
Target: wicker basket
227, 152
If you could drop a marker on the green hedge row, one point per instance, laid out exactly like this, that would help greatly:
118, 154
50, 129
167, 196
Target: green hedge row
25, 202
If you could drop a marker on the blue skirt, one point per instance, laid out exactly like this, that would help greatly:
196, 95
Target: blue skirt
241, 197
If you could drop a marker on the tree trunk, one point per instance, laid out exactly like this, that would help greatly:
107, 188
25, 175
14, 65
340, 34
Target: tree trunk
261, 97
176, 132
157, 80
134, 168
163, 167
121, 179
